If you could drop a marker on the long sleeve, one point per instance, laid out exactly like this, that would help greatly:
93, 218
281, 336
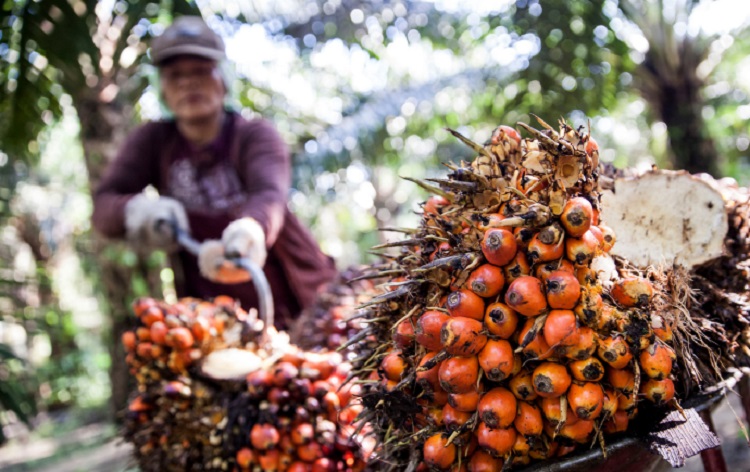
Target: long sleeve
263, 161
135, 167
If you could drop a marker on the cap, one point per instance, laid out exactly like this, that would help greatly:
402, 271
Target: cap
187, 35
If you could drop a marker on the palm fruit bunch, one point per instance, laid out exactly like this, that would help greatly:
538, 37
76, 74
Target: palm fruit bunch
506, 334
192, 411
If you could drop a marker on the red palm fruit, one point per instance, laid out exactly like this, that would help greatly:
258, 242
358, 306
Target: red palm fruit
614, 350
658, 391
259, 382
482, 461
656, 361
492, 220
129, 341
522, 386
403, 335
576, 216
298, 466
158, 332
551, 379
505, 134
517, 267
497, 359
428, 378
151, 314
526, 296
466, 402
580, 251
497, 441
563, 290
586, 399
302, 433
586, 345
143, 334
551, 409
608, 237
393, 366
437, 453
459, 374
537, 347
617, 424
500, 320
622, 380
465, 303
179, 338
487, 280
543, 270
580, 431
528, 419
453, 418
427, 332
539, 252
201, 328
609, 403
140, 305
632, 291
143, 349
309, 452
324, 464
523, 236
433, 204
521, 446
283, 373
560, 328
245, 457
499, 246
497, 408
463, 336
589, 370
442, 250
597, 232
264, 436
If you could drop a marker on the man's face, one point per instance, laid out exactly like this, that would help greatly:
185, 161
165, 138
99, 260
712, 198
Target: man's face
192, 88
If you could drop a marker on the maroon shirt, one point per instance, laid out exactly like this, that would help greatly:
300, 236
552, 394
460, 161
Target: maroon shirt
244, 172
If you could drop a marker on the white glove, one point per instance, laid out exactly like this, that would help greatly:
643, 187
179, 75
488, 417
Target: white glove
214, 266
148, 221
245, 238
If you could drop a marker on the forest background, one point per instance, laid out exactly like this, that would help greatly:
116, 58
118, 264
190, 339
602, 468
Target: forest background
362, 92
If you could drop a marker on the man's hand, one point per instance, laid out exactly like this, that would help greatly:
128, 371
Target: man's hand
245, 238
149, 221
215, 267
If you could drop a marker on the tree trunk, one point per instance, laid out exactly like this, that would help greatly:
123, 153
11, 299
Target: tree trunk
103, 127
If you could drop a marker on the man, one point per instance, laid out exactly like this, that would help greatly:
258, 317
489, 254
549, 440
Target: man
221, 177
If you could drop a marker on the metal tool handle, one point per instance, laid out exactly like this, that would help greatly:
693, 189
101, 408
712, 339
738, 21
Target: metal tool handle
262, 287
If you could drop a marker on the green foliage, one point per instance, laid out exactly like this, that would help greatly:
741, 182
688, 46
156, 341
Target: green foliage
15, 394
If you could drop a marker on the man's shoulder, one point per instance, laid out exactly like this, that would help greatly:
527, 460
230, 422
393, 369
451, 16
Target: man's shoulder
155, 129
255, 124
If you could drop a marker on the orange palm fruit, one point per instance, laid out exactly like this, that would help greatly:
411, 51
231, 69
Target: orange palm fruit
597, 232
427, 331
497, 360
589, 307
500, 320
466, 402
499, 246
528, 419
393, 366
517, 267
576, 216
580, 251
245, 457
628, 404
537, 347
465, 303
608, 237
522, 387
563, 290
129, 341
607, 320
403, 335
560, 328
580, 431
551, 234
143, 349
497, 408
497, 441
614, 350
523, 236
526, 296
551, 379
617, 424
179, 338
632, 291
436, 453
433, 204
453, 419
537, 251
622, 380
302, 433
609, 404
658, 391
459, 374
586, 399
521, 447
270, 460
264, 436
656, 361
543, 270
589, 370
482, 461
551, 409
463, 336
661, 328
428, 378
585, 346
487, 280
151, 314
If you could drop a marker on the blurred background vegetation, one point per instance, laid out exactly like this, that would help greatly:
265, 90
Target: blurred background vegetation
362, 91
